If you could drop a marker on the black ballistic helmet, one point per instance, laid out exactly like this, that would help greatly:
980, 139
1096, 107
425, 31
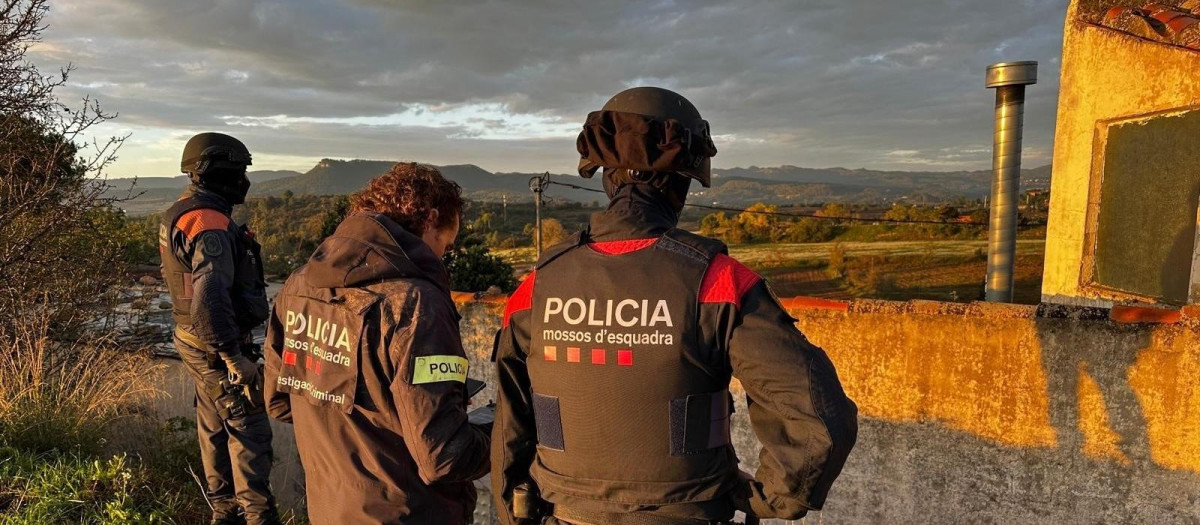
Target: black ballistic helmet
218, 162
647, 129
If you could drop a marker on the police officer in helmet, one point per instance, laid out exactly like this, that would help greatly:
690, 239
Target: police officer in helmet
214, 273
614, 402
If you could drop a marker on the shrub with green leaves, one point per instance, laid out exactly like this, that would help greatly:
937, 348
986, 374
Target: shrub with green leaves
73, 487
473, 268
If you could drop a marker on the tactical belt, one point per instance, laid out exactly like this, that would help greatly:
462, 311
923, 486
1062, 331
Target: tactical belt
234, 401
190, 339
586, 517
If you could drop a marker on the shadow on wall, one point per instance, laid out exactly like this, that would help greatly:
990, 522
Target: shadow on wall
1093, 408
1103, 465
987, 413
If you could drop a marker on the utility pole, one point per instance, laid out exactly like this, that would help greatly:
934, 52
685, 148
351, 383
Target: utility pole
1009, 79
538, 185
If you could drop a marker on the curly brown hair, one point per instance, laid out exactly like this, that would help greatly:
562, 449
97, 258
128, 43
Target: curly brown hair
407, 192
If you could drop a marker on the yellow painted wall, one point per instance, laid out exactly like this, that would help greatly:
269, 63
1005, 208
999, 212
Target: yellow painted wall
1099, 389
1106, 74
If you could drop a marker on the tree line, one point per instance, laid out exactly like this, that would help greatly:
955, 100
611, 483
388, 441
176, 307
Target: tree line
760, 224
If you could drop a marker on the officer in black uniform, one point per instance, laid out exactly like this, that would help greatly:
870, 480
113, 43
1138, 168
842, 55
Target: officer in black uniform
616, 356
214, 272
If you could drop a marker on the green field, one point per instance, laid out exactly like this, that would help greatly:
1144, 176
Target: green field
934, 270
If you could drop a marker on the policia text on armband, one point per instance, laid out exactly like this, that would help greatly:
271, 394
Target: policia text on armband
435, 368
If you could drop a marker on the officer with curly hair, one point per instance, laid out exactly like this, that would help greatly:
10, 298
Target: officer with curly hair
364, 358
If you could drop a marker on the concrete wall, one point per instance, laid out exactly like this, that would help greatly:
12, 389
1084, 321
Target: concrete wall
986, 413
1106, 75
974, 413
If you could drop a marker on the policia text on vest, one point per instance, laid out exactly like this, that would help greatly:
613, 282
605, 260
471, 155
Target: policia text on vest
607, 321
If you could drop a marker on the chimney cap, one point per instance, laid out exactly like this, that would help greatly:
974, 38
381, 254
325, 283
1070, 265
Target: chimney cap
1012, 74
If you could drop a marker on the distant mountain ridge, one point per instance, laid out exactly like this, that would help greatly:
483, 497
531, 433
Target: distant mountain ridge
336, 177
155, 194
796, 185
731, 186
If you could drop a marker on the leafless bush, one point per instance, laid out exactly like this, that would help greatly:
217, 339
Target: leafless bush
57, 258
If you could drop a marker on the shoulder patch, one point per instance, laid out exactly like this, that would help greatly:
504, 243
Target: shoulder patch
198, 221
726, 281
211, 245
520, 300
438, 368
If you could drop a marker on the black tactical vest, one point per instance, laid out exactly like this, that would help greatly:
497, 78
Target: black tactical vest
249, 287
630, 405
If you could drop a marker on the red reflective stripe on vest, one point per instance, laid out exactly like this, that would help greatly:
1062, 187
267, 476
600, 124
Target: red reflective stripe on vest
622, 247
726, 281
520, 300
195, 222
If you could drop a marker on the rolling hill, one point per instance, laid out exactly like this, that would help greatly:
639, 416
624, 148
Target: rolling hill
796, 185
146, 195
332, 177
733, 186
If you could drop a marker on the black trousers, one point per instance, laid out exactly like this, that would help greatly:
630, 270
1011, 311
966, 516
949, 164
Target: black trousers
235, 451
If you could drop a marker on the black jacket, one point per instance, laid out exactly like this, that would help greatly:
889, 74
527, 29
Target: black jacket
798, 409
213, 270
364, 358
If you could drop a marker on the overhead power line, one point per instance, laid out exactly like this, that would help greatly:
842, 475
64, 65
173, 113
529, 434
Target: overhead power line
798, 215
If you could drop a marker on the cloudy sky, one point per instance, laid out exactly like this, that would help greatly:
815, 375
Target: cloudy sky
505, 84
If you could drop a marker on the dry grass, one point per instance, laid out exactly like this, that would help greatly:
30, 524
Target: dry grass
55, 394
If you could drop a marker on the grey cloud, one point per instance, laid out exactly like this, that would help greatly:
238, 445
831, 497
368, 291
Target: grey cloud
817, 83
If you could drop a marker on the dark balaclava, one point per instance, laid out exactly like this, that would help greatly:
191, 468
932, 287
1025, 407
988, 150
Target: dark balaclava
665, 189
230, 182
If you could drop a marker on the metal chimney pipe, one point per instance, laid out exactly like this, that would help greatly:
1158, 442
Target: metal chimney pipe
1009, 79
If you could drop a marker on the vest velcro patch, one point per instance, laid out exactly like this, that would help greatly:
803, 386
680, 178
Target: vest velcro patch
547, 416
438, 368
699, 422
